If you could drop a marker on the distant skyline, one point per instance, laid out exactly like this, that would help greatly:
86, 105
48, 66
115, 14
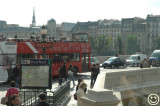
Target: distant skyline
21, 11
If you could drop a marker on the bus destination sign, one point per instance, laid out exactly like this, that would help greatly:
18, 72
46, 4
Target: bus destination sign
43, 45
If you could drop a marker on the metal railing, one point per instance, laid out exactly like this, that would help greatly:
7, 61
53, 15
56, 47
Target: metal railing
29, 97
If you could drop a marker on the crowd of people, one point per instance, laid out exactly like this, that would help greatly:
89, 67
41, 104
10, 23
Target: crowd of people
81, 88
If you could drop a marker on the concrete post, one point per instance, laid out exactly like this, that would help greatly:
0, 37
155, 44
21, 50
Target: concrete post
101, 97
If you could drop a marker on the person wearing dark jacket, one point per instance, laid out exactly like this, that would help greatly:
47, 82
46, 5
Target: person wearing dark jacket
42, 101
16, 74
10, 74
93, 75
62, 73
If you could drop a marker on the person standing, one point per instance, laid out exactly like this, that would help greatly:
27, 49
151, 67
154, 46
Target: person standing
81, 92
10, 74
62, 73
16, 74
70, 74
93, 75
11, 91
42, 100
79, 81
97, 71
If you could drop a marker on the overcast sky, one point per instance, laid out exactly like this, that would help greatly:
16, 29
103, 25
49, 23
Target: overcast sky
21, 11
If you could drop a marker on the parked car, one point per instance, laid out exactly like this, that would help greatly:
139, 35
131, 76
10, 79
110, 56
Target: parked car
154, 59
94, 60
136, 59
114, 62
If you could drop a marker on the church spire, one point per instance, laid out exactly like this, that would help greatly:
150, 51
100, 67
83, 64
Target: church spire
33, 18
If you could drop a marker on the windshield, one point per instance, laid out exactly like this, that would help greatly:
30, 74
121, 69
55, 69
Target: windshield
132, 58
111, 59
157, 54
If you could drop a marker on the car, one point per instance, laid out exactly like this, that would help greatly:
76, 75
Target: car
136, 59
154, 59
114, 62
94, 61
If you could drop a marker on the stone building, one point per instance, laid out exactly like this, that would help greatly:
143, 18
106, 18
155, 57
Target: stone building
110, 28
51, 28
132, 26
13, 31
153, 31
101, 27
89, 27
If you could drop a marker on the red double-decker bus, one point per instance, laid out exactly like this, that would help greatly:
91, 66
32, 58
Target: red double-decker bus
75, 51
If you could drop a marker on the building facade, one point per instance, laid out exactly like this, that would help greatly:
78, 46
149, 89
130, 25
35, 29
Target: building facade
110, 28
153, 31
132, 26
51, 28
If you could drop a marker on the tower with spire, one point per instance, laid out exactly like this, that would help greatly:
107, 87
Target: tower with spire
33, 18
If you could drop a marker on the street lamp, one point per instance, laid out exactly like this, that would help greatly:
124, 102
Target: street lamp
43, 35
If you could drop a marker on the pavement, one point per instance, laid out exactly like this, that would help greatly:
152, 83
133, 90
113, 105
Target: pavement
72, 102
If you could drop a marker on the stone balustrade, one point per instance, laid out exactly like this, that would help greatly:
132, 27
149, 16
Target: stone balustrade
134, 85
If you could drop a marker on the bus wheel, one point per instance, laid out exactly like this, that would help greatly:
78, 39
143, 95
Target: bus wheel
75, 71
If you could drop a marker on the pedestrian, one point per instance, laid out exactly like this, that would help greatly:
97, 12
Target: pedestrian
16, 74
79, 81
97, 71
70, 74
10, 74
93, 75
15, 101
42, 100
145, 63
81, 92
11, 91
62, 73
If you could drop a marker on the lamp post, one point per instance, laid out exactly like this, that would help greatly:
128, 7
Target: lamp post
43, 35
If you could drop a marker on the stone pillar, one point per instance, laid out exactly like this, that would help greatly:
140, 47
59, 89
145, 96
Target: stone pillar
101, 97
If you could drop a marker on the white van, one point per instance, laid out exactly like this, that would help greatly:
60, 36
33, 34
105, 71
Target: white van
136, 59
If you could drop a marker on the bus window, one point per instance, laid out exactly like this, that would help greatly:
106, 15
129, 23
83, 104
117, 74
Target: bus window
74, 57
64, 57
23, 56
56, 58
46, 56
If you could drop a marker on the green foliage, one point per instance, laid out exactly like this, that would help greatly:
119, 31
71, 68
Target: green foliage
119, 44
132, 46
158, 43
101, 44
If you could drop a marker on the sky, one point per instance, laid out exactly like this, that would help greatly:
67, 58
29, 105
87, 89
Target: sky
21, 11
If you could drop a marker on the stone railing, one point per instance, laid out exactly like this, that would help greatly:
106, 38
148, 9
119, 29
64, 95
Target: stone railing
133, 85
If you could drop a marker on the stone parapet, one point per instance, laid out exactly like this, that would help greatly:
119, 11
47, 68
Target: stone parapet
132, 84
101, 97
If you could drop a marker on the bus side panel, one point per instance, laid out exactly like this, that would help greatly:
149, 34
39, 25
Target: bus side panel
55, 69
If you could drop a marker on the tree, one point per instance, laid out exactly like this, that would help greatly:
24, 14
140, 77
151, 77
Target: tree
101, 44
158, 43
119, 44
132, 46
